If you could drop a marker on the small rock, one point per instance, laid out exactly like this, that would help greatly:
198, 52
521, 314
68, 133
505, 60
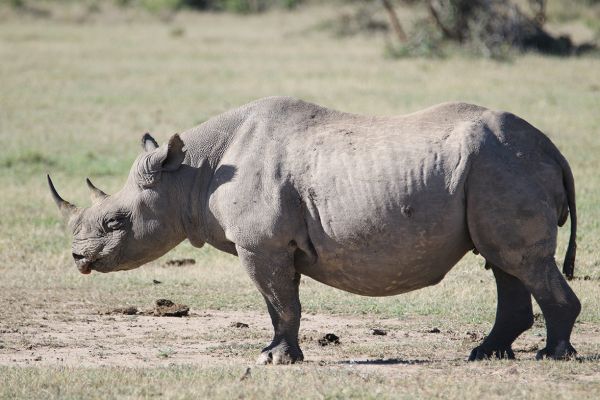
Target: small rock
166, 308
378, 332
328, 339
180, 262
239, 325
434, 330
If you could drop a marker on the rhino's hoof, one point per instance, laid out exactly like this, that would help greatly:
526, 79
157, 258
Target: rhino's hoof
563, 351
279, 356
481, 353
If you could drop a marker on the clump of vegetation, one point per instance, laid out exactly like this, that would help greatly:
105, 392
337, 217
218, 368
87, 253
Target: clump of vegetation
425, 41
239, 6
492, 28
363, 18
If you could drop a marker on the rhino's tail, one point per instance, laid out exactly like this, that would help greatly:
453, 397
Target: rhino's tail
569, 184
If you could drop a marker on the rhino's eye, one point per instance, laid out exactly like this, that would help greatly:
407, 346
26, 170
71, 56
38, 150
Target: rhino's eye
113, 224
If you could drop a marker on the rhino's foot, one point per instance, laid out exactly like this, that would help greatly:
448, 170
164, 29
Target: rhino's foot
485, 353
281, 353
562, 351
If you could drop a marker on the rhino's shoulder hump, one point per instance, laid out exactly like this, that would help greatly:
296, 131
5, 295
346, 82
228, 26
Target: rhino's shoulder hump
274, 106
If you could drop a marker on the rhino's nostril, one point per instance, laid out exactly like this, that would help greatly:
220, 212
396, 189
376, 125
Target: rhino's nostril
78, 257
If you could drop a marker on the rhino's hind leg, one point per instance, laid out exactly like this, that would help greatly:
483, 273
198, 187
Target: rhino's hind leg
514, 316
527, 254
538, 272
514, 207
558, 302
279, 283
559, 305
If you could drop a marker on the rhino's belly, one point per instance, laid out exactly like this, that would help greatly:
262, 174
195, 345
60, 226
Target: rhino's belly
386, 271
386, 253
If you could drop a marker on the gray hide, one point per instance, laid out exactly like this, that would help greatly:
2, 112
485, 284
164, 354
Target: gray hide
372, 205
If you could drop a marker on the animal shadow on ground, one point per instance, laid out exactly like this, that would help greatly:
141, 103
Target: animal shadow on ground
384, 361
588, 358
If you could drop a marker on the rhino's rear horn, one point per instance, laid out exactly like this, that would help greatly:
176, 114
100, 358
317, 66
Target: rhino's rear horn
96, 194
67, 209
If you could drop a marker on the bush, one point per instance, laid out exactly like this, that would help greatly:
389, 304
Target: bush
492, 27
238, 6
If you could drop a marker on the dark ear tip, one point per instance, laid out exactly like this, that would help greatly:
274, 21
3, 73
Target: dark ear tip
148, 142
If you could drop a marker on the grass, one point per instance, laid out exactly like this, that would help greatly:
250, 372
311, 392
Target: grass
294, 382
75, 100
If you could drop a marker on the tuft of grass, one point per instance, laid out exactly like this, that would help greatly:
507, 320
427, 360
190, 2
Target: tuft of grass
165, 353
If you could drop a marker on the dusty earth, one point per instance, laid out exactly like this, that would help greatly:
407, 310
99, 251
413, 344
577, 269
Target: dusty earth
96, 336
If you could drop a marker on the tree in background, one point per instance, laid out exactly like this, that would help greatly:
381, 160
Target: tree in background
489, 27
493, 24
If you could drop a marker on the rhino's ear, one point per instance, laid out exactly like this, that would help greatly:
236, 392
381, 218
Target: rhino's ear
148, 143
173, 155
164, 159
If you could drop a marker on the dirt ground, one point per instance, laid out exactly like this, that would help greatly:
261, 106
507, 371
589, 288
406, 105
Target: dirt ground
73, 335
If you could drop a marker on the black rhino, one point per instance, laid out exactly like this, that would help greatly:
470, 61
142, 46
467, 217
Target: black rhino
372, 205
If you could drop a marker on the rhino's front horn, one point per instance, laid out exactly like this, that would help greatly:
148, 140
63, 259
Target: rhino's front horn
67, 209
96, 194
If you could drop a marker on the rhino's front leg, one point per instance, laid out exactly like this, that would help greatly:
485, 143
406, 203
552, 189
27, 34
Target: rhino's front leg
278, 281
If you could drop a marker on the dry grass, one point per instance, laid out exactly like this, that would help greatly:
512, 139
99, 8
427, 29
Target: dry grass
75, 99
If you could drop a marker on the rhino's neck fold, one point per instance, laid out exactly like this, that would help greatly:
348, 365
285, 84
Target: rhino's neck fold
194, 204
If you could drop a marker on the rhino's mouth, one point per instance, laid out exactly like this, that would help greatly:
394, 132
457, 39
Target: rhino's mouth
85, 265
86, 269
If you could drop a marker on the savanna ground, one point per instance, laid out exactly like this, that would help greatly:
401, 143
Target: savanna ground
75, 96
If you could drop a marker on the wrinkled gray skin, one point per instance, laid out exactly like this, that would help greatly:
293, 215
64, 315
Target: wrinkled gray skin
372, 205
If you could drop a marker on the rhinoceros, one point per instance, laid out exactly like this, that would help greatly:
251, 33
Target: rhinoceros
375, 206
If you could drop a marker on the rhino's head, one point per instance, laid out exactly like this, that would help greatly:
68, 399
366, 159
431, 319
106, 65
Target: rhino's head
136, 225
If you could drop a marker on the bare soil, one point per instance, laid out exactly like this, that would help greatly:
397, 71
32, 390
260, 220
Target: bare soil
83, 336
